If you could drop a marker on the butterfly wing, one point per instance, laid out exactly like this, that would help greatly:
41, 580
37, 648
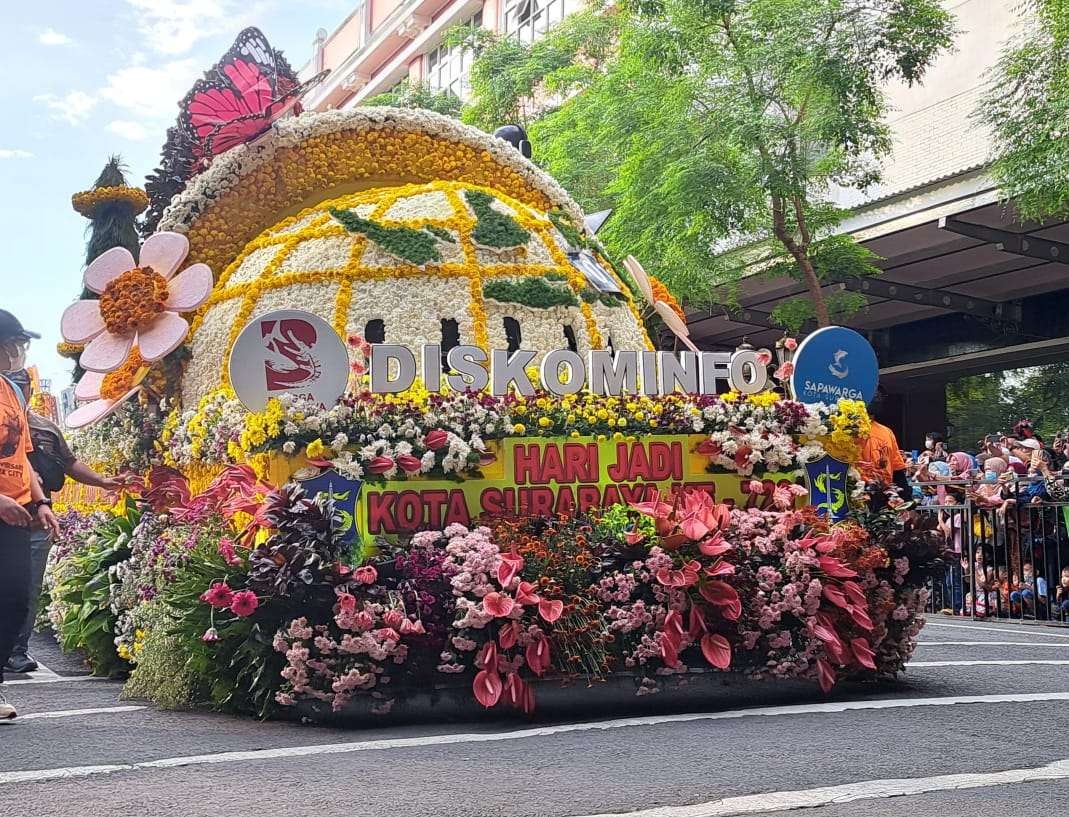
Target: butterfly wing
637, 271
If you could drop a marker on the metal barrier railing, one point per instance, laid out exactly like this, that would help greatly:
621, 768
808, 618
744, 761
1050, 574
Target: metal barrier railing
1011, 543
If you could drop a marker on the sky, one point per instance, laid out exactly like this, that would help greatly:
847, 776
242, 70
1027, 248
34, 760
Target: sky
89, 79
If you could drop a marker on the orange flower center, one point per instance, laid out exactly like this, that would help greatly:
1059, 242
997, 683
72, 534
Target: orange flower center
131, 301
120, 381
661, 293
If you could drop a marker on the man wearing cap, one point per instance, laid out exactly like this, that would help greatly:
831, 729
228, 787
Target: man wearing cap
52, 461
22, 501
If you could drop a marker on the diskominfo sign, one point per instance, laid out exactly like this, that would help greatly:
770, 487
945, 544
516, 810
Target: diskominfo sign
540, 476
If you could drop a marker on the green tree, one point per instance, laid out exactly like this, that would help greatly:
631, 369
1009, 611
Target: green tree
407, 94
717, 129
1026, 108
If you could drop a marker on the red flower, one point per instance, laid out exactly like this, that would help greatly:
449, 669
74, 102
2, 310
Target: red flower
244, 603
219, 596
393, 618
211, 635
487, 658
511, 564
709, 448
436, 439
863, 652
409, 464
366, 574
346, 602
835, 568
380, 465
409, 627
550, 610
487, 688
723, 595
538, 655
717, 651
508, 635
498, 604
742, 456
826, 675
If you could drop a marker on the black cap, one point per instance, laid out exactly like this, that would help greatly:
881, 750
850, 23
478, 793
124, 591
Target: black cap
11, 327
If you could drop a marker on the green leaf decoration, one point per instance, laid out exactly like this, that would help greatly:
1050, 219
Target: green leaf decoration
591, 295
536, 293
441, 233
417, 247
493, 229
566, 227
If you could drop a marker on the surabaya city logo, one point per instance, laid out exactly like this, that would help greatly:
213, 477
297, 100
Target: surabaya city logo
288, 358
837, 368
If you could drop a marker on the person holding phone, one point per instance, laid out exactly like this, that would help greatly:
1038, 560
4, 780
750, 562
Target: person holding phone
22, 501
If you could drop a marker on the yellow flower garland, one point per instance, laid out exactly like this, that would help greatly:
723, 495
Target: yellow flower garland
88, 201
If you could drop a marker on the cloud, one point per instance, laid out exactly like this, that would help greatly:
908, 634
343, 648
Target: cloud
134, 131
52, 37
72, 108
174, 26
151, 93
15, 153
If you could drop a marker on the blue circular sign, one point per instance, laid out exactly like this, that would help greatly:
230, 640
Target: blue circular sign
834, 363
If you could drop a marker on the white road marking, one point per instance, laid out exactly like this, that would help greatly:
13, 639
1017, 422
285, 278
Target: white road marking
777, 801
56, 679
35, 775
998, 663
1005, 629
991, 644
43, 672
70, 713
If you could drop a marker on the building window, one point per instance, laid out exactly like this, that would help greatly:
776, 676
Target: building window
512, 334
530, 19
447, 68
375, 331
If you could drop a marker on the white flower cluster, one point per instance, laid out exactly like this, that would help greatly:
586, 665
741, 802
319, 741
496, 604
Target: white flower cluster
227, 170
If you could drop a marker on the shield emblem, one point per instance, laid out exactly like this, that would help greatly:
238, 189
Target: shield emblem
827, 487
345, 492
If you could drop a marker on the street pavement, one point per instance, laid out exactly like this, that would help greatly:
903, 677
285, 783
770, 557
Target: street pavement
979, 724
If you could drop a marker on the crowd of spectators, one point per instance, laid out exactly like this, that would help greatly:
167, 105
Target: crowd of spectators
1004, 510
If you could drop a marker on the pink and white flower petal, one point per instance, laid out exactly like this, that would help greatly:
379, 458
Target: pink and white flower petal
108, 266
106, 352
190, 288
97, 410
81, 322
89, 386
162, 337
164, 252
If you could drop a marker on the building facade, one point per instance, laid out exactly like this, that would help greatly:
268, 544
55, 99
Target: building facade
386, 41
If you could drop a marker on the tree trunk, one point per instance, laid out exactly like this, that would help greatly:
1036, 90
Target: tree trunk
812, 282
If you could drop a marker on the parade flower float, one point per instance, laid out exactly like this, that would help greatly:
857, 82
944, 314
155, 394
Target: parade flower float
428, 527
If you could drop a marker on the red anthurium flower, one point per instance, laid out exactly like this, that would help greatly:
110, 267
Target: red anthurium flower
659, 510
436, 439
669, 652
764, 357
673, 627
511, 564
409, 627
714, 546
861, 618
836, 651
723, 595
742, 455
709, 448
835, 568
380, 465
863, 652
509, 635
826, 675
525, 594
487, 658
537, 655
498, 604
514, 688
717, 650
696, 622
835, 596
550, 609
409, 464
487, 688
487, 458
634, 537
528, 699
720, 568
855, 595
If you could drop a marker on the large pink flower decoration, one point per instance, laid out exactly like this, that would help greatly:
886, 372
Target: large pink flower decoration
106, 392
139, 303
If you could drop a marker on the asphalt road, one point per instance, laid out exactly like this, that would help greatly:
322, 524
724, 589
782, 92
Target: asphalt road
978, 725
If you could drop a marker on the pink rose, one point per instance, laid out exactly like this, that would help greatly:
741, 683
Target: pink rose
380, 465
436, 439
366, 574
244, 603
219, 596
790, 343
409, 464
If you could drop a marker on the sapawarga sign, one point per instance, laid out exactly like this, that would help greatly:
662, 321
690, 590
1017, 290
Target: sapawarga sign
541, 476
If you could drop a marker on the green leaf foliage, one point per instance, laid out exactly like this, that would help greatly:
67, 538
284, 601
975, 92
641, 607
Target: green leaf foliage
407, 94
417, 247
534, 292
1026, 108
711, 125
493, 229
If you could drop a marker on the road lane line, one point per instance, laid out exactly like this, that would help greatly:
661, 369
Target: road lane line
1007, 629
779, 801
58, 679
70, 713
994, 663
990, 644
36, 775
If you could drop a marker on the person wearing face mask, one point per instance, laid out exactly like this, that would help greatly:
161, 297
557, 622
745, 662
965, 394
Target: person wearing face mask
934, 448
22, 501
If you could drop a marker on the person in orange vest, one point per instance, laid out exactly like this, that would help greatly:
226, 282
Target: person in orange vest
881, 455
